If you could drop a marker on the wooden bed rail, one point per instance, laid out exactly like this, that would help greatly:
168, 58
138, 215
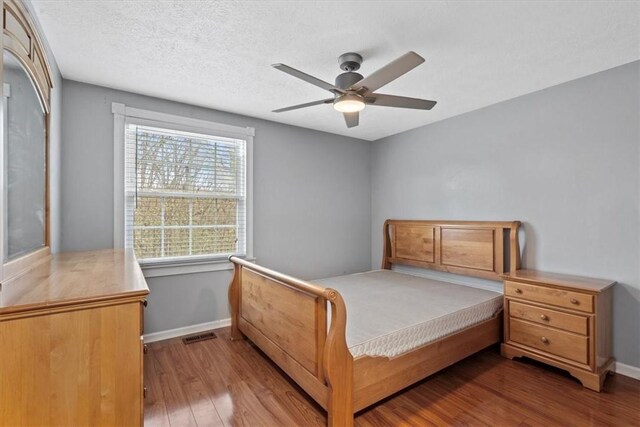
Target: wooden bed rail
291, 281
287, 318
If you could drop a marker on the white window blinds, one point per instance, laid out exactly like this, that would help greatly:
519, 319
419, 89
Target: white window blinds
185, 194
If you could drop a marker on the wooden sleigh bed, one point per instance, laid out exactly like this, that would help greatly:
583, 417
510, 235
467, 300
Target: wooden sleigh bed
287, 318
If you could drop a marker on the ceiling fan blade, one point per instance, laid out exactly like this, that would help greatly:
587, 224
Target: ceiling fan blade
352, 119
308, 104
399, 101
389, 72
307, 78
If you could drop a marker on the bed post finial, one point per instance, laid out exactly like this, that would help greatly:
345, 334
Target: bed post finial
514, 247
234, 300
386, 246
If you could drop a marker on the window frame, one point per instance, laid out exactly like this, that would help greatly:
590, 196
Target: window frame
123, 115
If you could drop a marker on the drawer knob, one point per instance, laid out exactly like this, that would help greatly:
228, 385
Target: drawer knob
144, 392
573, 301
145, 349
545, 340
518, 291
544, 317
144, 302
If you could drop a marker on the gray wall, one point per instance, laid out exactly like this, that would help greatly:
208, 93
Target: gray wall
564, 160
55, 140
311, 200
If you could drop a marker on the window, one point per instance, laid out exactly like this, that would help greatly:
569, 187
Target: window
186, 187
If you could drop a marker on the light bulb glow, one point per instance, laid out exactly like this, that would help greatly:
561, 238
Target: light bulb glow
349, 103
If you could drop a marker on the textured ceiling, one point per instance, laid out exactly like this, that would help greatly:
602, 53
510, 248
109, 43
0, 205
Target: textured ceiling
218, 54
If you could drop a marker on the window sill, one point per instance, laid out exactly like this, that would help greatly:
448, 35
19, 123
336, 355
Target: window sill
174, 269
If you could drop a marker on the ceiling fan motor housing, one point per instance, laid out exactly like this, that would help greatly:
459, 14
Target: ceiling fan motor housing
348, 79
349, 62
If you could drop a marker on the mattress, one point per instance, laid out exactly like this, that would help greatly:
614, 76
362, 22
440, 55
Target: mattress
390, 313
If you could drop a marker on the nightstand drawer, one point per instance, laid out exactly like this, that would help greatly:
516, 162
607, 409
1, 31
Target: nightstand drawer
547, 317
553, 341
559, 297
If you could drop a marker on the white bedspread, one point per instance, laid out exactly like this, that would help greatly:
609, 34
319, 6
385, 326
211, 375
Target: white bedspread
389, 313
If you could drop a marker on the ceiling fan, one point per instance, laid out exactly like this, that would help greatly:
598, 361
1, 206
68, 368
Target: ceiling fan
352, 91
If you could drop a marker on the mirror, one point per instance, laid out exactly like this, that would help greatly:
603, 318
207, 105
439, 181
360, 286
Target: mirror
24, 169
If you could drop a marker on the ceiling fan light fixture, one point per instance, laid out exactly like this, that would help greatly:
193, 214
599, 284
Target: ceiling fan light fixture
349, 103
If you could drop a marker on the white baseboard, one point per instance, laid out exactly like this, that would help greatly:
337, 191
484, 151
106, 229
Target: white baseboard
187, 330
627, 370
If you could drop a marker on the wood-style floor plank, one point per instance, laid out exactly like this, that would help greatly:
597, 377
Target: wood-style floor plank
202, 407
171, 389
220, 382
214, 380
154, 405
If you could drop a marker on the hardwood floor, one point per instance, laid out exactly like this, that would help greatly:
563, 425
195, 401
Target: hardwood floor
223, 383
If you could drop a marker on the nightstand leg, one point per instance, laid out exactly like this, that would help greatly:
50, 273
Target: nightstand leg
508, 352
591, 381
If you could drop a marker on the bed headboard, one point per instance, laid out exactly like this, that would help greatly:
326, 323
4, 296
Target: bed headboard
471, 248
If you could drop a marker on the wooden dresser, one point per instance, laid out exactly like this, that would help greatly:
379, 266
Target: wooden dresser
71, 348
561, 320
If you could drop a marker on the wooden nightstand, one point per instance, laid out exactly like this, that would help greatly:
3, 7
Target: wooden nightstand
561, 320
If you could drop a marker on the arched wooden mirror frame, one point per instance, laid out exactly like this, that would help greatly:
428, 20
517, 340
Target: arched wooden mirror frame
21, 39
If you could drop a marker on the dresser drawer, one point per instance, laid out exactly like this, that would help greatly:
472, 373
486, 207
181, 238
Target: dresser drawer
552, 341
548, 317
559, 297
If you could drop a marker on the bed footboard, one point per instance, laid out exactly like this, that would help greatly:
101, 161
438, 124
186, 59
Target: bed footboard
287, 319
